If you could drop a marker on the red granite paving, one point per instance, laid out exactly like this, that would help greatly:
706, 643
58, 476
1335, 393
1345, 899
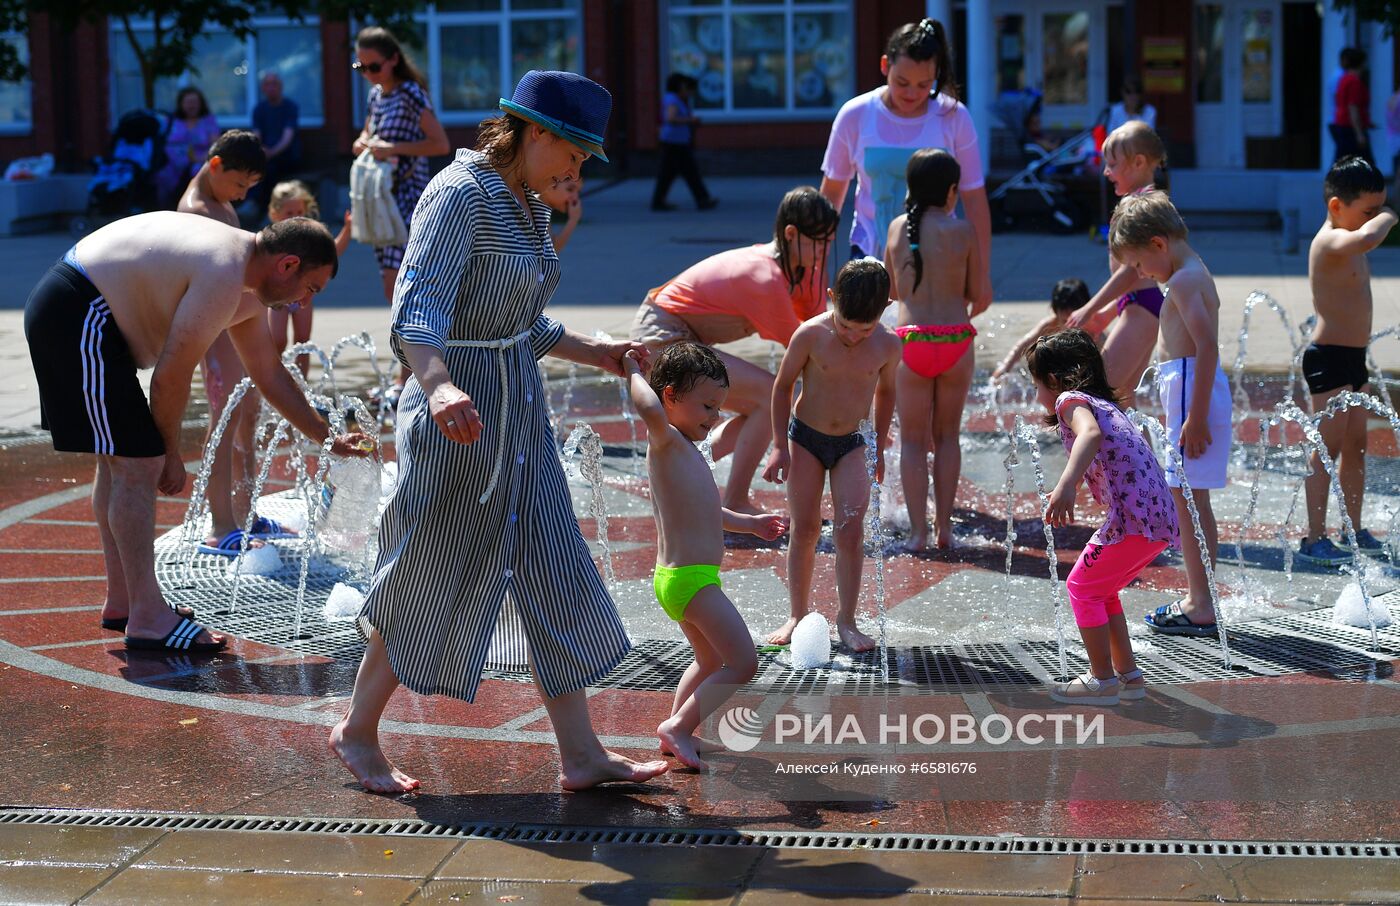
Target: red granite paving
242, 742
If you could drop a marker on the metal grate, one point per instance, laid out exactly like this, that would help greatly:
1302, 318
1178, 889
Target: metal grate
1291, 643
723, 837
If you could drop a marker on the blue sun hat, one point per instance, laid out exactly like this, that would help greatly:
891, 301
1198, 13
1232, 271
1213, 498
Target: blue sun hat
572, 107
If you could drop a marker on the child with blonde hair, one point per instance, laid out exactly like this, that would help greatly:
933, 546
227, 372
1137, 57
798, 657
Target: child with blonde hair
289, 199
934, 264
1132, 155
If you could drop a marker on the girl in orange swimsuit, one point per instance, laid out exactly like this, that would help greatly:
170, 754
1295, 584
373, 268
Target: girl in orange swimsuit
934, 264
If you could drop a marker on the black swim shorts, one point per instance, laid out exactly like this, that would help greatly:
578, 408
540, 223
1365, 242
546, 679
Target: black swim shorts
1327, 367
89, 397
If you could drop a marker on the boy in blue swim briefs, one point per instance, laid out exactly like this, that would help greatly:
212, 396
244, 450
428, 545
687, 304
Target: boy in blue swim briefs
845, 359
680, 402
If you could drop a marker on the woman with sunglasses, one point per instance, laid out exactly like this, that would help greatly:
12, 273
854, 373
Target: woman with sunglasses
401, 128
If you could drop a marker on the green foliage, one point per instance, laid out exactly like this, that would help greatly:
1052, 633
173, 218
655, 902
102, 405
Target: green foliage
167, 49
1386, 12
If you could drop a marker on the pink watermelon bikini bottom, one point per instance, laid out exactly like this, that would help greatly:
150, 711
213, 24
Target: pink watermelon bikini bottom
931, 349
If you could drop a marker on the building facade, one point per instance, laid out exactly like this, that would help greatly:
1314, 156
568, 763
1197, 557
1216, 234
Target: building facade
1240, 86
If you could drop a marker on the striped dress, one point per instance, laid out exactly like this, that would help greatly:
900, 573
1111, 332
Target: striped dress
476, 269
395, 117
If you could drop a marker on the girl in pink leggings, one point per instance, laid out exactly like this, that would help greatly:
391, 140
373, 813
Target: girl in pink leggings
1106, 450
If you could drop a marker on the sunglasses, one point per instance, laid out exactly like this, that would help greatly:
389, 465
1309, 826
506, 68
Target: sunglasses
371, 68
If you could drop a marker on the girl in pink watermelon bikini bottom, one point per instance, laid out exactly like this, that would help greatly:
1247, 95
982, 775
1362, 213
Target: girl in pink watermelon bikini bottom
934, 267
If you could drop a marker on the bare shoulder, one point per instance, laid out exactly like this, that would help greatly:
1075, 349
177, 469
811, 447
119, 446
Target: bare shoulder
891, 346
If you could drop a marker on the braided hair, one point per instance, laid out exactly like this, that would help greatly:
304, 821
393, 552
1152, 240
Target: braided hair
926, 39
932, 173
815, 219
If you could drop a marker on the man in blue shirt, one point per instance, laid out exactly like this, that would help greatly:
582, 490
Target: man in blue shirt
275, 122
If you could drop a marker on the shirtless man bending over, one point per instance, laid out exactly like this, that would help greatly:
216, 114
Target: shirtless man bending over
154, 290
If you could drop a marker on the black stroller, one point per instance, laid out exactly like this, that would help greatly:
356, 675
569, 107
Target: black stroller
1033, 196
123, 181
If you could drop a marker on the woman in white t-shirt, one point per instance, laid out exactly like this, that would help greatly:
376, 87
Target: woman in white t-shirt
875, 134
1132, 107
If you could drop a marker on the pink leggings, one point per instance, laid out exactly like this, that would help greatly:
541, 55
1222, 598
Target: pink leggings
1102, 571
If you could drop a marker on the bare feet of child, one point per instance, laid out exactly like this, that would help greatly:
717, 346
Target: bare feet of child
783, 635
944, 540
853, 638
702, 746
916, 542
607, 767
745, 506
367, 762
682, 745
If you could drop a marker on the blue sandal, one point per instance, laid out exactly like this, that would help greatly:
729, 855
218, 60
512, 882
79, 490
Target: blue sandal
264, 527
231, 545
1170, 620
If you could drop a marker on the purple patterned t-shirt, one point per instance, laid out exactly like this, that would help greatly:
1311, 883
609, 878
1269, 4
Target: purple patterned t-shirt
1124, 477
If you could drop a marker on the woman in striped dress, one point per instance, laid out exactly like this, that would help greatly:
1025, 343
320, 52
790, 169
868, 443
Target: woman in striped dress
401, 127
481, 524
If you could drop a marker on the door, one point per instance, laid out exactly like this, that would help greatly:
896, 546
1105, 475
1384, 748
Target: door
1238, 78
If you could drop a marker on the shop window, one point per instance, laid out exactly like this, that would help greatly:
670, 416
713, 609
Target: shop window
1065, 57
227, 69
17, 98
481, 48
792, 56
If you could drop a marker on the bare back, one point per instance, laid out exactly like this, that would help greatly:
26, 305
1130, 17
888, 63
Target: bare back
196, 199
685, 503
1190, 297
948, 247
1341, 291
838, 381
145, 265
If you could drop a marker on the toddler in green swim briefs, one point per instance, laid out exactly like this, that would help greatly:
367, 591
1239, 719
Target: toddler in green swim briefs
680, 402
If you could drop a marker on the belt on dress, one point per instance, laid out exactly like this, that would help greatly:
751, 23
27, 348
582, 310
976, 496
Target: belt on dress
501, 346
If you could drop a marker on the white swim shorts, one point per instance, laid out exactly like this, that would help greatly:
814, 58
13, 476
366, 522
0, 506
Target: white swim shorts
1175, 380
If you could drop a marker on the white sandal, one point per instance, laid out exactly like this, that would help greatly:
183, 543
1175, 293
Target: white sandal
1132, 686
1086, 690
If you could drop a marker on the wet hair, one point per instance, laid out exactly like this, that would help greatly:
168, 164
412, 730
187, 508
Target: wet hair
293, 190
682, 365
308, 239
180, 99
500, 139
382, 41
861, 290
926, 39
1069, 294
240, 150
1070, 360
1352, 57
932, 173
815, 219
1140, 218
1350, 178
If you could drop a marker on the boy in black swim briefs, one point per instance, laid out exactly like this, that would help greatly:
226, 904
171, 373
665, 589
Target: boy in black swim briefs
1340, 277
845, 358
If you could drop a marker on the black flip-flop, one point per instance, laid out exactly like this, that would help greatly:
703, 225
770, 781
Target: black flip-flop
1170, 620
181, 638
118, 624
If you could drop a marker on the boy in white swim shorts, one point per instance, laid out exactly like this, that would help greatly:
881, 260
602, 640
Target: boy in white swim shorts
1148, 233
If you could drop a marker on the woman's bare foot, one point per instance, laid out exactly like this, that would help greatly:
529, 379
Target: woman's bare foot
682, 745
367, 762
608, 767
853, 638
701, 744
783, 635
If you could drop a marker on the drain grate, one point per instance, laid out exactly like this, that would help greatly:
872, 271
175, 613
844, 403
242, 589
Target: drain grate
645, 836
1291, 643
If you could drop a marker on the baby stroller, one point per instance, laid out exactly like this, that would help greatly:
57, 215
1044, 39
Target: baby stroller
123, 182
1032, 195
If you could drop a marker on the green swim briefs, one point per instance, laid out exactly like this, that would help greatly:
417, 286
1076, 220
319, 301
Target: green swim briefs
676, 585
